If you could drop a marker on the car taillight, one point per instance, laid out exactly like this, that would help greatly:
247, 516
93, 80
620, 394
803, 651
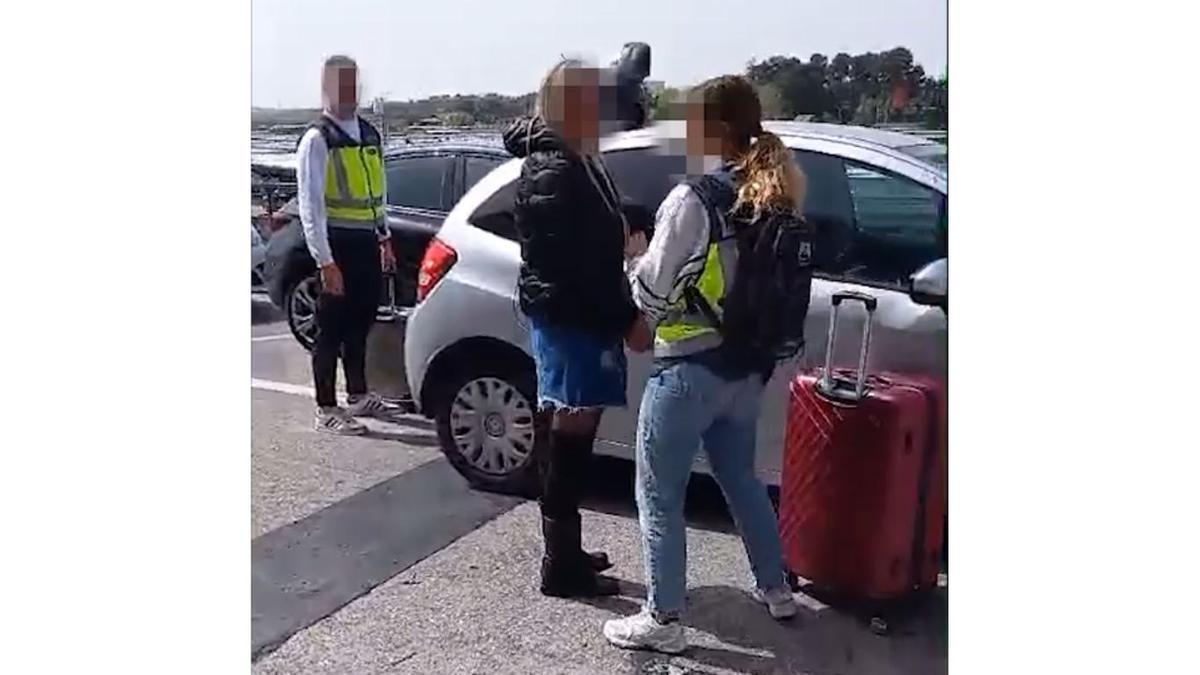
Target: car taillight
438, 260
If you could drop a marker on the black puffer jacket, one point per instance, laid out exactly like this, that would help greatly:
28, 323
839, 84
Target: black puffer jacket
572, 236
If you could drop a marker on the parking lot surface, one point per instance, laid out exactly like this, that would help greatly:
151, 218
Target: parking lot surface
370, 555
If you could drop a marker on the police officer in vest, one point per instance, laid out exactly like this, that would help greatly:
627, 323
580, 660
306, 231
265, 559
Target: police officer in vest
341, 202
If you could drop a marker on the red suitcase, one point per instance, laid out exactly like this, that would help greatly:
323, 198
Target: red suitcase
863, 493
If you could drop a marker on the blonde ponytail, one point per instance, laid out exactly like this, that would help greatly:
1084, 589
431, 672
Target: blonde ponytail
767, 171
769, 176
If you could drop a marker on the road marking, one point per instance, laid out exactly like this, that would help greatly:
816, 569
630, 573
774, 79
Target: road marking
305, 390
264, 338
285, 387
303, 572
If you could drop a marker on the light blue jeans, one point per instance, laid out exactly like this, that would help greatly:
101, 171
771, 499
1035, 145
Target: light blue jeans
684, 404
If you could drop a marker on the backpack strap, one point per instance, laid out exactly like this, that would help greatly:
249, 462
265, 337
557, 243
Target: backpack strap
712, 193
709, 191
368, 134
697, 303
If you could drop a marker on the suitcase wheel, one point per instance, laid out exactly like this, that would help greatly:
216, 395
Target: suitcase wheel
793, 581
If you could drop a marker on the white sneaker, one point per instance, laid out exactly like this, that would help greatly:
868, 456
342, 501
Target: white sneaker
779, 601
643, 631
370, 405
336, 421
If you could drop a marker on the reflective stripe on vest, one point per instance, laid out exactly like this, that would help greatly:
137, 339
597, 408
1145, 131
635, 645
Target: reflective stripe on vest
681, 324
354, 184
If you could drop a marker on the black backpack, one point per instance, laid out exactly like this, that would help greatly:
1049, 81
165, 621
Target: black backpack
763, 313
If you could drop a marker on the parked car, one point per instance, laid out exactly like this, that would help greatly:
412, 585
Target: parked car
878, 199
272, 184
424, 182
258, 254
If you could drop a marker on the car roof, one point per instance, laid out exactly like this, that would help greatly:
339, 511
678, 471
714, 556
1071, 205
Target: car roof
881, 138
885, 137
874, 146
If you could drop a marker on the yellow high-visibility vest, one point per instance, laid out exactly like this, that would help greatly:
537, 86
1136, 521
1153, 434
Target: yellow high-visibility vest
353, 176
686, 327
684, 323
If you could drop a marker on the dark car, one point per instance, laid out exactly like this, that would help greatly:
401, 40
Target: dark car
423, 184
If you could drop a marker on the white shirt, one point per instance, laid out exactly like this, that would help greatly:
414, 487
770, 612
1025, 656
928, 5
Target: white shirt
312, 156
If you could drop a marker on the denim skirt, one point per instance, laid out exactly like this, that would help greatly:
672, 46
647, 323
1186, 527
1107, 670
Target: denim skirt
577, 369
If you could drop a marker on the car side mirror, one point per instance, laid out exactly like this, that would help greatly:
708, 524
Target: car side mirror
930, 285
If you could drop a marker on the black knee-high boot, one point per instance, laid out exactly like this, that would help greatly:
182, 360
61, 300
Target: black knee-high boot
566, 569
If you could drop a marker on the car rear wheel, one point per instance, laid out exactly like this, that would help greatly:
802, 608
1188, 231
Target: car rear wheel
301, 308
489, 427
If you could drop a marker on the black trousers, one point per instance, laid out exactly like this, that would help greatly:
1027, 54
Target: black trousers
344, 321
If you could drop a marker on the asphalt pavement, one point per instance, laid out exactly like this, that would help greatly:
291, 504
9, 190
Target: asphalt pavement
370, 555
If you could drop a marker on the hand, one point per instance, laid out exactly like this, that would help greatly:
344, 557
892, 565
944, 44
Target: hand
276, 221
639, 338
635, 245
387, 257
331, 280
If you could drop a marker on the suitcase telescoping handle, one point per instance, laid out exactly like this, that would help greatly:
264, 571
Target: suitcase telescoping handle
386, 313
830, 385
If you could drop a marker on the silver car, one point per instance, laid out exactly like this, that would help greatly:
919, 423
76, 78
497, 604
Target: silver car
879, 199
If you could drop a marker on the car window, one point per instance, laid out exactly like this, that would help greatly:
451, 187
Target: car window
418, 182
935, 154
828, 207
477, 167
900, 225
495, 214
645, 176
871, 232
873, 227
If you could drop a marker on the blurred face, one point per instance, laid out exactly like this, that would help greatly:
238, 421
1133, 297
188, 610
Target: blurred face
581, 109
705, 137
341, 91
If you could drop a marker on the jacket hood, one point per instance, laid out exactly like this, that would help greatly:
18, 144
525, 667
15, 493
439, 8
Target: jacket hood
527, 135
726, 174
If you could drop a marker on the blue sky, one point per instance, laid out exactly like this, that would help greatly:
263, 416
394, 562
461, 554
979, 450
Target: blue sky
411, 49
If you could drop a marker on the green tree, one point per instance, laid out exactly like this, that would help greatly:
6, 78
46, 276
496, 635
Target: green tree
771, 70
772, 101
667, 104
458, 118
867, 88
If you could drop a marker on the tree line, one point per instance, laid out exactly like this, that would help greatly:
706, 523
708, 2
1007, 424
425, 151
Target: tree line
866, 89
459, 110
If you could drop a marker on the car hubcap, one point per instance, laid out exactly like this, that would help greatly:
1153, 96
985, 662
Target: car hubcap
304, 310
492, 425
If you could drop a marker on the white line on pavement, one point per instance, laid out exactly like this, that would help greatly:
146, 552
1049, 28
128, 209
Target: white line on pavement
264, 338
284, 387
305, 390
